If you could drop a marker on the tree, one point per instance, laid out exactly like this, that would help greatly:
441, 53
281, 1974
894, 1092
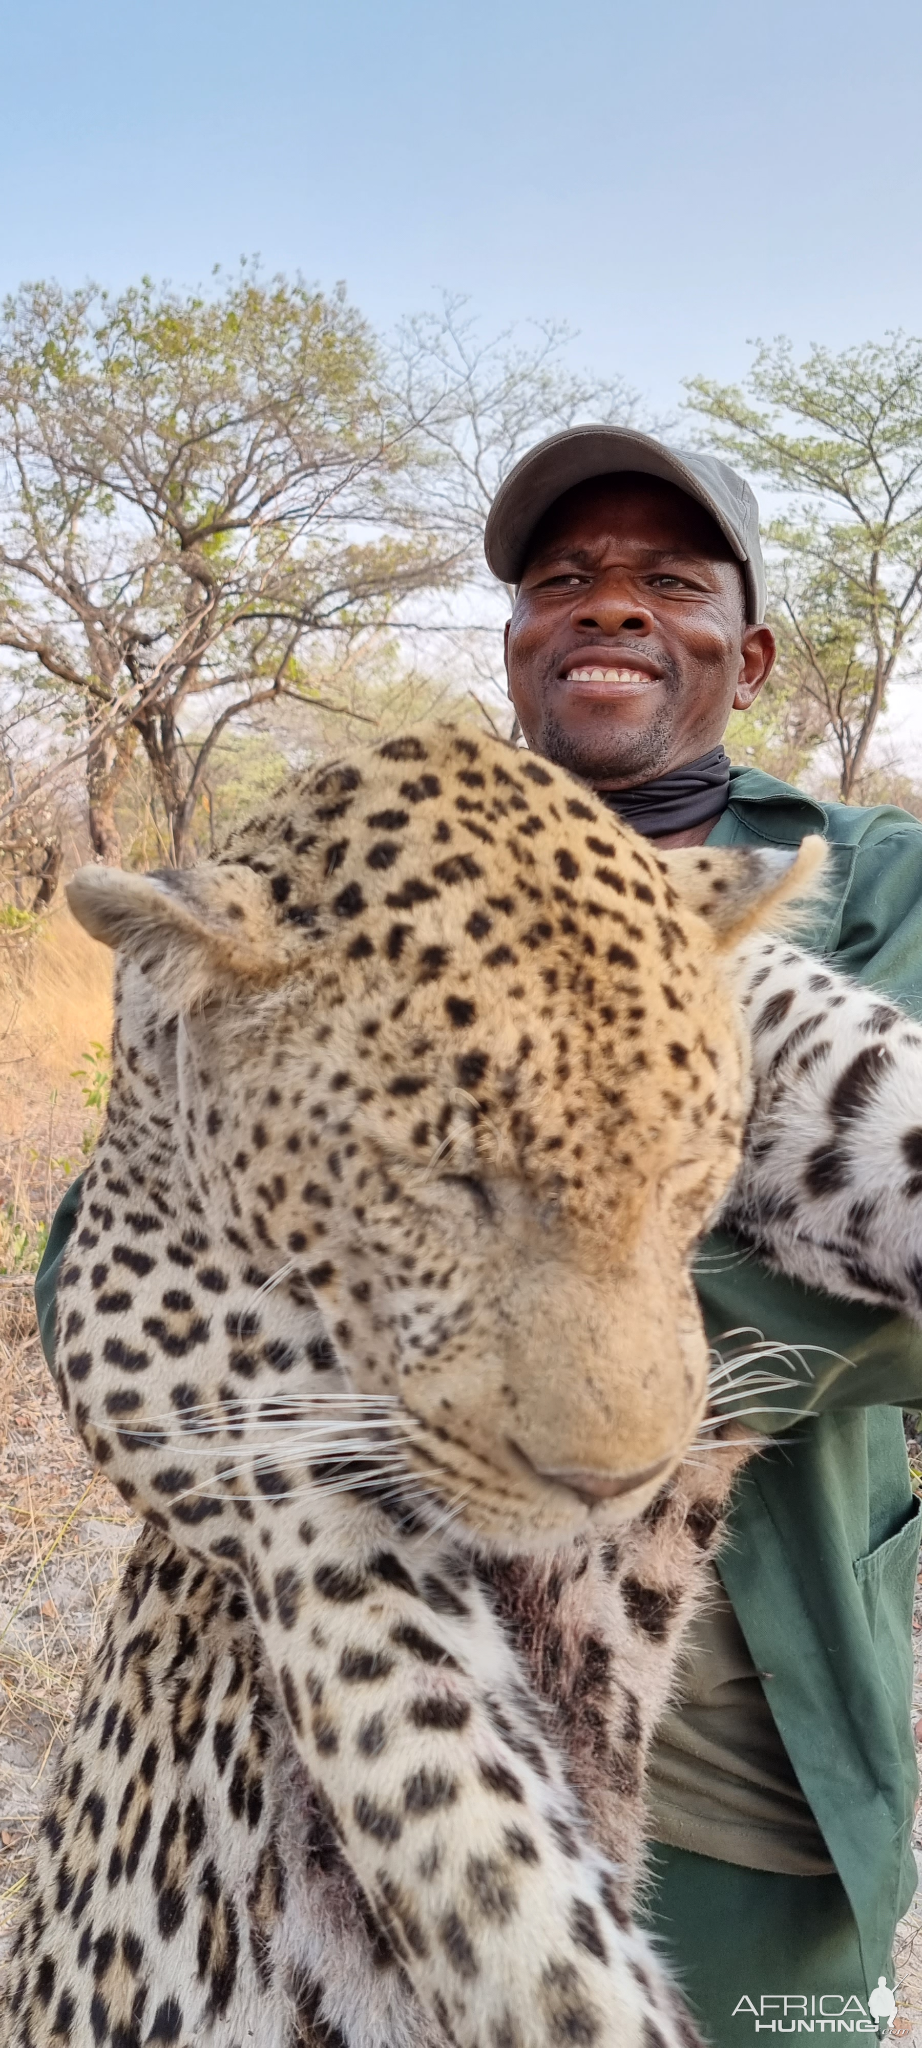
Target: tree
843, 433
781, 731
479, 404
211, 506
31, 838
195, 494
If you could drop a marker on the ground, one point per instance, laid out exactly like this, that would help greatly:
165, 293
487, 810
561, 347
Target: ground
63, 1530
63, 1535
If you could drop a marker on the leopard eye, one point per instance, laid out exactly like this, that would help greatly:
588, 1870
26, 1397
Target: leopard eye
477, 1188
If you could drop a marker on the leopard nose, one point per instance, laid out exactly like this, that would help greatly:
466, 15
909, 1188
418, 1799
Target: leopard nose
593, 1486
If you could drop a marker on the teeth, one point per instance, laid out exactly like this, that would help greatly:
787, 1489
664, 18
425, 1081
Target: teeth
607, 675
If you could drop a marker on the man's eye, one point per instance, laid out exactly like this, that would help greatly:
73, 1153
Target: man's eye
669, 582
566, 582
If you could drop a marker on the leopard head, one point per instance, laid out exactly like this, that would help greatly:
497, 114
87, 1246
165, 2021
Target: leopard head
458, 1050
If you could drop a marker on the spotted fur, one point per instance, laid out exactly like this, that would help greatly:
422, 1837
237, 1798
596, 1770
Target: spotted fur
831, 1184
412, 1093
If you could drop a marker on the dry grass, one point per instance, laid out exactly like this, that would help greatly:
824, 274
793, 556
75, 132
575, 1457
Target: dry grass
55, 1003
62, 1530
63, 1535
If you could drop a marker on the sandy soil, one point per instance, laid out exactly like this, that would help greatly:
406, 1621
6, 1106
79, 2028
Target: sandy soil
63, 1534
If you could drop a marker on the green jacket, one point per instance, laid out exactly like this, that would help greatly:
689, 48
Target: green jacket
821, 1558
822, 1551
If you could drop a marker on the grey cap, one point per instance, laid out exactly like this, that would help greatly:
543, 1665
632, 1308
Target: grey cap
583, 452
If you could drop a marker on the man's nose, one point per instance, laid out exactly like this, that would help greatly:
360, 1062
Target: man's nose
612, 606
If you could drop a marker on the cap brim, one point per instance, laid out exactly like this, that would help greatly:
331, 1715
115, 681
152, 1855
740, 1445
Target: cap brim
570, 458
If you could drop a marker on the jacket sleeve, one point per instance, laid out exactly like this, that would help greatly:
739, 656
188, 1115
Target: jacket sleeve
46, 1279
879, 935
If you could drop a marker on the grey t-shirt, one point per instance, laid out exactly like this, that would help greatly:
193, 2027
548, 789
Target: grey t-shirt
720, 1782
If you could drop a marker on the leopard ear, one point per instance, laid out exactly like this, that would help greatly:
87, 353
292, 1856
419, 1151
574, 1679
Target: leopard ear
741, 889
194, 932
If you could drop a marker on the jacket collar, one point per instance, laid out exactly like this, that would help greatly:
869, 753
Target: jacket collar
770, 809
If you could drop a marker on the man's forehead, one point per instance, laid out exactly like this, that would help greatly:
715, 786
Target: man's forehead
650, 517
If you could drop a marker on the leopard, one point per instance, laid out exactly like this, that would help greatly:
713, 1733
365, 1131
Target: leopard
379, 1311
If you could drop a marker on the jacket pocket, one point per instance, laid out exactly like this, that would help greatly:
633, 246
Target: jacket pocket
887, 1583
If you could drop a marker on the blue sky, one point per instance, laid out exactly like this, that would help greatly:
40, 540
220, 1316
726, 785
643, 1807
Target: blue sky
671, 178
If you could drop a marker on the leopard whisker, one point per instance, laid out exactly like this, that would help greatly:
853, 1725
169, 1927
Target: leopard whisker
701, 1440
768, 1347
206, 1415
722, 1262
725, 1390
786, 1355
441, 1151
483, 1121
274, 1280
367, 1474
263, 1460
304, 1442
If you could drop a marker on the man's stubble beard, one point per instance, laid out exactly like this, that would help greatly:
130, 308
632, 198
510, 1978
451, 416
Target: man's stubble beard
624, 757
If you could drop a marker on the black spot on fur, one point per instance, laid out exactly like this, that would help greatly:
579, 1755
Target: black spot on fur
338, 1582
457, 1945
502, 1781
439, 1713
389, 821
827, 1171
650, 1608
413, 891
584, 1928
460, 867
362, 1667
288, 1590
470, 1068
427, 1790
137, 1262
701, 1522
350, 902
775, 1011
386, 1565
167, 2022
422, 1646
376, 1820
856, 1087
405, 748
372, 1736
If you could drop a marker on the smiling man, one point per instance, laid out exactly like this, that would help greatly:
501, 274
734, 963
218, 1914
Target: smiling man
781, 1784
640, 682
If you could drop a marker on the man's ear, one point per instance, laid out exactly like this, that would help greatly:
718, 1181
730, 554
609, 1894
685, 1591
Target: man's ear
741, 889
757, 659
195, 933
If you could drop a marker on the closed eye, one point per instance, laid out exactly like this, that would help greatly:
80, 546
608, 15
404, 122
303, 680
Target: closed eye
477, 1188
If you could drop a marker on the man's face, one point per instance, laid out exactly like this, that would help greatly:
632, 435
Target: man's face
628, 648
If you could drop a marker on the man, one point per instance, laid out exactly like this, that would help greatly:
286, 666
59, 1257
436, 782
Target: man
782, 1783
